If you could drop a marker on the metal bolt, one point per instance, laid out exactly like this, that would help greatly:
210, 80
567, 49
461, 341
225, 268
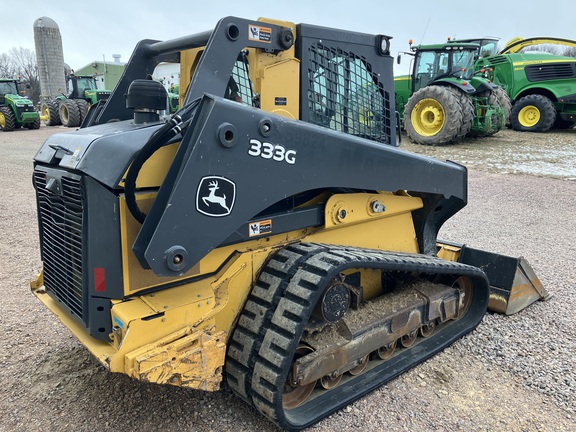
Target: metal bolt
342, 214
378, 207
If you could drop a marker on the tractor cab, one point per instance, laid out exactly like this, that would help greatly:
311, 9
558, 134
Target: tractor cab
78, 86
487, 46
7, 87
434, 62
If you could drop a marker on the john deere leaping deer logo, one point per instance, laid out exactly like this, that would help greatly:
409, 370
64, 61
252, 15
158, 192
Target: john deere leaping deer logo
215, 196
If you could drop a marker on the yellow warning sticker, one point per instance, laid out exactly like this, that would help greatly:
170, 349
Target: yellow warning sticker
259, 33
260, 228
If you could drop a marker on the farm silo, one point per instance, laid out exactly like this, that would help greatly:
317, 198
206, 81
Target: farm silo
49, 56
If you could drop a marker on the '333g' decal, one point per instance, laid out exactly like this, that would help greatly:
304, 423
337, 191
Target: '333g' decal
275, 152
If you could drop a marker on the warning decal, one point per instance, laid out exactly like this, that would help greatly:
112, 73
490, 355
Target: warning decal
260, 228
259, 34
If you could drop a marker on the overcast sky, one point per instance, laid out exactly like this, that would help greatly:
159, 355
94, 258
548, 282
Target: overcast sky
93, 30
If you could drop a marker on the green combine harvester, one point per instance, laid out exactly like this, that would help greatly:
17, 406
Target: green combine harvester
542, 86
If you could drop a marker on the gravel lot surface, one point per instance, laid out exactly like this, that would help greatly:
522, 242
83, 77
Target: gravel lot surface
511, 374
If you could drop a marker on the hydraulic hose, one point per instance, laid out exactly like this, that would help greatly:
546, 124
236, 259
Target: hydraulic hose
176, 125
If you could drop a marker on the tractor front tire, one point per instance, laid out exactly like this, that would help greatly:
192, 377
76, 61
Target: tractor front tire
7, 120
69, 113
434, 115
34, 125
498, 96
533, 113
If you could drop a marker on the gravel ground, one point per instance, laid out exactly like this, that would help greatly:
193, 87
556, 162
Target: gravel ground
512, 373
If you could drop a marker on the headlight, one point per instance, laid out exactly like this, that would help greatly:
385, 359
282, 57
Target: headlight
385, 44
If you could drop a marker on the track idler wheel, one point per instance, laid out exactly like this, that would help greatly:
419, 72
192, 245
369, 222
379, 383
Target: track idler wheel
294, 393
464, 284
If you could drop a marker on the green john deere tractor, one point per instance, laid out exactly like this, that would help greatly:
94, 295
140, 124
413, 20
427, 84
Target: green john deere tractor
15, 111
70, 109
542, 86
444, 100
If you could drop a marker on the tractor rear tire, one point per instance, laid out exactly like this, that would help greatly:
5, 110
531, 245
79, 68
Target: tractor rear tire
533, 113
7, 120
83, 108
49, 111
468, 113
434, 115
69, 113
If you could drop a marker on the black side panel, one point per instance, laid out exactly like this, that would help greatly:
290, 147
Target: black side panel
103, 236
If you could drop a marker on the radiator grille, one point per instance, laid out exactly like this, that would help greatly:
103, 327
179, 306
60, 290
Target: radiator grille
61, 220
346, 96
550, 71
496, 60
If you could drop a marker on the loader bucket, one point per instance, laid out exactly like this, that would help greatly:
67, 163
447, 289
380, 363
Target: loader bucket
513, 283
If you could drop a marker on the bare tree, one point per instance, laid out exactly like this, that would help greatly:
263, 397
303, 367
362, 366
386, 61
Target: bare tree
554, 49
25, 63
547, 48
570, 52
7, 67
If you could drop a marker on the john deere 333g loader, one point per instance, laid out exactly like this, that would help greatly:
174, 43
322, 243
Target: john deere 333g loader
269, 233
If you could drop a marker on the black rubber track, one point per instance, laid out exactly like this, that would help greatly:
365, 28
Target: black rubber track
269, 329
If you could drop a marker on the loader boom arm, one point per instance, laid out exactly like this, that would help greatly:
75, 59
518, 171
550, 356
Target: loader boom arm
240, 147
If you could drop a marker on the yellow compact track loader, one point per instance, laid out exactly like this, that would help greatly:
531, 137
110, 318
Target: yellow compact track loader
269, 233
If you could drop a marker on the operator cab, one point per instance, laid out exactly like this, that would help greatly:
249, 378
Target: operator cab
447, 62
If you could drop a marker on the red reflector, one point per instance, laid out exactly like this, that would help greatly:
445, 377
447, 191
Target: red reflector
99, 279
464, 83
